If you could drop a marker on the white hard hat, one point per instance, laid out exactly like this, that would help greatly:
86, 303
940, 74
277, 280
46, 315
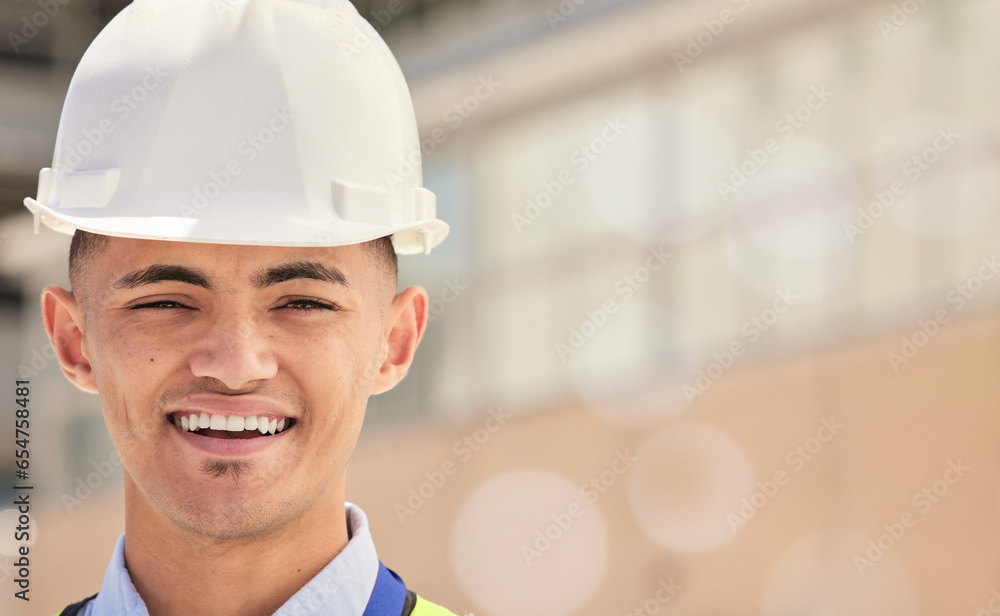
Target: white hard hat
273, 122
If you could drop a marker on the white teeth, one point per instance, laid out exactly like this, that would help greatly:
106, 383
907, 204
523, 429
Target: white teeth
230, 423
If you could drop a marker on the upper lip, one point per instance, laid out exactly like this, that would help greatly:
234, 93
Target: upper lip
240, 406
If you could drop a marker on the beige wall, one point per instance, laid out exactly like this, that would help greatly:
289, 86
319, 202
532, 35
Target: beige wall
899, 433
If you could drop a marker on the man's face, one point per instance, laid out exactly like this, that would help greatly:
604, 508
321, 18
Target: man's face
297, 337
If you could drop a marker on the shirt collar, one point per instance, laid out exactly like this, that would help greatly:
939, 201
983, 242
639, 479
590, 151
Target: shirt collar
342, 588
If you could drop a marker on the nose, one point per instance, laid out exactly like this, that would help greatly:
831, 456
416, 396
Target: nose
234, 351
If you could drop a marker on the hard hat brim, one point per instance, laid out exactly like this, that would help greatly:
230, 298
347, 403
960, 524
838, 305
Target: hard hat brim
412, 238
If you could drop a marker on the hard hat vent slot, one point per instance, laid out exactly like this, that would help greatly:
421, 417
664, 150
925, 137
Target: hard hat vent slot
424, 205
45, 182
91, 189
362, 203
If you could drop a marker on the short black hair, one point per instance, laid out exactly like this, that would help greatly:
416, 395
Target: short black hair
86, 247
83, 250
385, 255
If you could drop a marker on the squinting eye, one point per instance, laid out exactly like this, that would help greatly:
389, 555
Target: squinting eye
310, 304
161, 304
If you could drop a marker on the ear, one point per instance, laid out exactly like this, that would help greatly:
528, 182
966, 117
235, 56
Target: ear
64, 325
404, 323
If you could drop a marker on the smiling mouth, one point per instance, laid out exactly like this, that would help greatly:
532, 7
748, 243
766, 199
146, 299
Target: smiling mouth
230, 426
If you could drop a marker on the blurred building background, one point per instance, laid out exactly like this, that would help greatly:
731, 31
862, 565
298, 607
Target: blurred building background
716, 331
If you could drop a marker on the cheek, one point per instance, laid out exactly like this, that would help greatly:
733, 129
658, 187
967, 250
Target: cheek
336, 376
127, 373
124, 363
114, 346
341, 363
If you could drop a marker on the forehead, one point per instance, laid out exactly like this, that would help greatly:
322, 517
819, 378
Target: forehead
228, 264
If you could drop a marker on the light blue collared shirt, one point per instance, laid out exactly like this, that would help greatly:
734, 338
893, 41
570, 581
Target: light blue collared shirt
342, 588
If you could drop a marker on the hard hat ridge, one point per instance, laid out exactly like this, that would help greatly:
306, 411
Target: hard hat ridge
278, 122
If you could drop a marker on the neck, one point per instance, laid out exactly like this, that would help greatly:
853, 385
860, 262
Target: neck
179, 572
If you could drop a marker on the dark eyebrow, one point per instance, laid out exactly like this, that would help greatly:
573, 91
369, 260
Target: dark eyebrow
313, 270
161, 273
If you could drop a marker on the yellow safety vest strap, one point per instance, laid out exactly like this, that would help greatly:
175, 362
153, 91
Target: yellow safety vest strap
73, 610
423, 607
